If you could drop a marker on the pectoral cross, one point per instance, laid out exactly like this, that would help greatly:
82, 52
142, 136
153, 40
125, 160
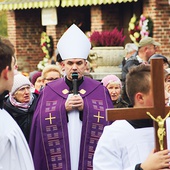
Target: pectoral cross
158, 112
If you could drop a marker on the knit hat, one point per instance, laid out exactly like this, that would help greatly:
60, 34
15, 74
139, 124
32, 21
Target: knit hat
148, 40
35, 76
111, 78
74, 44
19, 81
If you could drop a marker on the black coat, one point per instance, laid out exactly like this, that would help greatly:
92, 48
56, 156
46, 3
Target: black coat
120, 103
132, 61
23, 118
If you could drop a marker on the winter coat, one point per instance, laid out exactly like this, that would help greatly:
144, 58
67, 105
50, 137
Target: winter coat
23, 118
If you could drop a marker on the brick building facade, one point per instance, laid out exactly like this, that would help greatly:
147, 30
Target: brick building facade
25, 28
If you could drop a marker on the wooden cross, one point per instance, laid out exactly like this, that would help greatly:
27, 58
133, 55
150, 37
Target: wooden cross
159, 108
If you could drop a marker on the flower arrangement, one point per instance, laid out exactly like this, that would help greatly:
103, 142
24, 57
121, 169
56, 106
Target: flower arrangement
45, 44
47, 48
107, 38
140, 27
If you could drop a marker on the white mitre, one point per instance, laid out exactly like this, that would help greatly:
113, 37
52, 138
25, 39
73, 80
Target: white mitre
73, 44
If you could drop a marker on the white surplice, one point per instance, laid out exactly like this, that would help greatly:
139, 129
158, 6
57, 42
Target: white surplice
74, 132
14, 150
121, 146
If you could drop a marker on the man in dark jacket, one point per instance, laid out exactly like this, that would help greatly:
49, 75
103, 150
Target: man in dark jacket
146, 48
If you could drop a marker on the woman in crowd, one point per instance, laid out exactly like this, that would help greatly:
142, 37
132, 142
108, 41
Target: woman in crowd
114, 85
21, 103
37, 81
51, 72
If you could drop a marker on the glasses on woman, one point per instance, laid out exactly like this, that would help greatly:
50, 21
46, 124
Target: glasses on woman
51, 79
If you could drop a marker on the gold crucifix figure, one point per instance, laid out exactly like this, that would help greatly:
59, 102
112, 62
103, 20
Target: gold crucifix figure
161, 132
50, 118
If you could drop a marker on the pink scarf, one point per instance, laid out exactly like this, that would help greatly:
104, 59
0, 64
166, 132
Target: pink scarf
22, 106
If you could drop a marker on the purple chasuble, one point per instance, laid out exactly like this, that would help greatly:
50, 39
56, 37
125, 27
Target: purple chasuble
49, 142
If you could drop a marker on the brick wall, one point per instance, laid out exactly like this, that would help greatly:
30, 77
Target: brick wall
160, 14
104, 17
107, 17
96, 18
111, 17
11, 27
24, 30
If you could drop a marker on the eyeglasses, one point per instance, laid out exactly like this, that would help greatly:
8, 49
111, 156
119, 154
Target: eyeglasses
51, 79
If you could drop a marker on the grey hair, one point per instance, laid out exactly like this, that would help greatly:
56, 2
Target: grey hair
129, 47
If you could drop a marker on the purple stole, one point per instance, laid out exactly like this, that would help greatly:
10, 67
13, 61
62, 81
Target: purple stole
49, 134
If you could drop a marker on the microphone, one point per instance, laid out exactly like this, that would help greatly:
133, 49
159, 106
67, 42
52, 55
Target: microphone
74, 80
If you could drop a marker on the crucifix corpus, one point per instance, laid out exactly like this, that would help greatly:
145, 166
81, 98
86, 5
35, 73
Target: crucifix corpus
159, 112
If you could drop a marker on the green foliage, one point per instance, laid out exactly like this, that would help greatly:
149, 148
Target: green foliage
3, 23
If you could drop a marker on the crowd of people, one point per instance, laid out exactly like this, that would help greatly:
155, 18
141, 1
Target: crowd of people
56, 118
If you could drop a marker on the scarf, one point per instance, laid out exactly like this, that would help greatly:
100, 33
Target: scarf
21, 106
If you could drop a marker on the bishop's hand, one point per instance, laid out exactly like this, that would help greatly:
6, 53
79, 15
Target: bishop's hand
74, 102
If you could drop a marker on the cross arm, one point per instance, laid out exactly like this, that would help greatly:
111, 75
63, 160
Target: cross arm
128, 114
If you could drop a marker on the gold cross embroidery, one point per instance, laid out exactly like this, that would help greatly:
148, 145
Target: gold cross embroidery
50, 118
98, 117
